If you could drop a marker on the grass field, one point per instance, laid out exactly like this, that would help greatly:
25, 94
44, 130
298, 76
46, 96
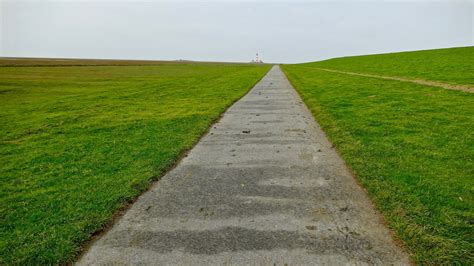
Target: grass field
59, 62
453, 65
79, 142
411, 146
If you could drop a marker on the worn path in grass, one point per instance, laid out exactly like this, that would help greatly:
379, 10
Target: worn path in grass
263, 186
417, 81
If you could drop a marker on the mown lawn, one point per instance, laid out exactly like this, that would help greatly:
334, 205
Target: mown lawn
451, 65
79, 142
411, 146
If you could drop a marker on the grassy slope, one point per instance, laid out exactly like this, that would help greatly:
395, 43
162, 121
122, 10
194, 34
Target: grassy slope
452, 65
412, 147
77, 143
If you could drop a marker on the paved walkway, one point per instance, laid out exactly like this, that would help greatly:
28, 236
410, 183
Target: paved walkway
263, 186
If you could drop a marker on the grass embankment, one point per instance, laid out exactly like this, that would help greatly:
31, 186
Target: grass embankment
411, 146
55, 62
78, 143
453, 65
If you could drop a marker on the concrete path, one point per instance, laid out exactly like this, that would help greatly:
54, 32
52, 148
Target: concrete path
263, 187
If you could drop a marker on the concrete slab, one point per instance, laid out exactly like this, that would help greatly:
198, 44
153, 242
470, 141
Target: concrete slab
264, 186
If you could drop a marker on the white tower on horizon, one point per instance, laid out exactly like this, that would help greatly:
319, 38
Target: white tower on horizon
257, 59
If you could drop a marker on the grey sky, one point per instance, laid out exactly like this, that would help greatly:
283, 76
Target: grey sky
230, 31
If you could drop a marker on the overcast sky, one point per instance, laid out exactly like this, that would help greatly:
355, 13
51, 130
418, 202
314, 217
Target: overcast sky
281, 31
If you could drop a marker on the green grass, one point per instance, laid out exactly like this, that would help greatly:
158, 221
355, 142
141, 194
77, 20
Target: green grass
452, 65
411, 146
77, 143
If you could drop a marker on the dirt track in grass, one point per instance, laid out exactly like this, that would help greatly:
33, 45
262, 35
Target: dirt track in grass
417, 81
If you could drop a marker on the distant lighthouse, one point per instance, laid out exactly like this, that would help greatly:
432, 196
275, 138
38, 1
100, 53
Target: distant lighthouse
257, 59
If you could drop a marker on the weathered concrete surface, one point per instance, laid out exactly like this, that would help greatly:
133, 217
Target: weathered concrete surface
263, 186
